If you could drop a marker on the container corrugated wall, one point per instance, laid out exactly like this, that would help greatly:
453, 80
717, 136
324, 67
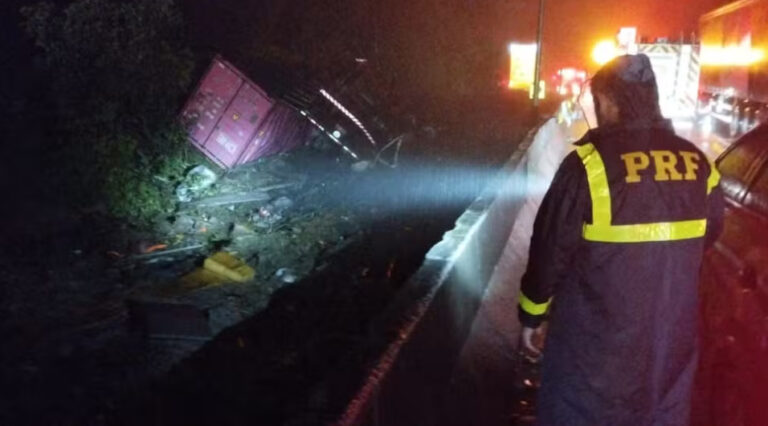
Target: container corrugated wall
233, 121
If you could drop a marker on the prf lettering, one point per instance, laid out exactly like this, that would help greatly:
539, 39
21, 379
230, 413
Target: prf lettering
665, 164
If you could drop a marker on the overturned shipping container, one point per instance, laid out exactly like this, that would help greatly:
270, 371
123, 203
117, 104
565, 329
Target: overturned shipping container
233, 121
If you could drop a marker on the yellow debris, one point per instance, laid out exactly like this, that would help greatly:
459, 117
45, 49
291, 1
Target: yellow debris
218, 269
229, 266
200, 278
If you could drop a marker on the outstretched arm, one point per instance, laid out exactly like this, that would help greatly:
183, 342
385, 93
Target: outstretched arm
556, 236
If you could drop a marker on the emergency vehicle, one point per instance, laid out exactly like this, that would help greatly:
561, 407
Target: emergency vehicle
677, 67
568, 82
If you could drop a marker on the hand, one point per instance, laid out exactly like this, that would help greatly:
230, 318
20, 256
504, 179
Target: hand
532, 339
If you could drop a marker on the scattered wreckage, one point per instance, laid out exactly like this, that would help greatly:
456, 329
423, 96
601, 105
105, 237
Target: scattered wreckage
260, 225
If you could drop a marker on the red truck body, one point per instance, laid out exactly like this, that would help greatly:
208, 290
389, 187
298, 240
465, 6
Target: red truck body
734, 77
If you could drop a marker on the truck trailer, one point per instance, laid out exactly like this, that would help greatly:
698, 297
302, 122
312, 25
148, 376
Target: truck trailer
733, 92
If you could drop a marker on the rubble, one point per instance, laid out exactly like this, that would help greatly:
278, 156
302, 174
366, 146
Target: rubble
233, 241
167, 255
287, 275
230, 199
196, 180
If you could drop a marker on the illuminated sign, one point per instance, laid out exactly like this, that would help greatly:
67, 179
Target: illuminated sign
522, 65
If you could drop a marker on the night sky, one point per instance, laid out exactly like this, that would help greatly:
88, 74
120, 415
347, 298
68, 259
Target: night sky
572, 27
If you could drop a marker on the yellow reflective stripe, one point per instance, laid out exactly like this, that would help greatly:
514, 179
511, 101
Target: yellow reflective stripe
714, 177
599, 190
643, 233
533, 308
601, 229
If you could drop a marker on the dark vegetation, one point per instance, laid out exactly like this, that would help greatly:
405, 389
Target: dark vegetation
117, 71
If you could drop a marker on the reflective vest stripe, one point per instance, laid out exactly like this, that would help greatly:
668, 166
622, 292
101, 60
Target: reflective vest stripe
665, 231
602, 230
599, 190
533, 308
714, 177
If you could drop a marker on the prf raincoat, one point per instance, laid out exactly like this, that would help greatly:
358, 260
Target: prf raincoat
614, 262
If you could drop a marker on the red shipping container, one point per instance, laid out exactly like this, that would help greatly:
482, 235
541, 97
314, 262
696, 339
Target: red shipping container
282, 130
233, 121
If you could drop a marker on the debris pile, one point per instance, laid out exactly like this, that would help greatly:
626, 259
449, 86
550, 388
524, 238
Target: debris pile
234, 239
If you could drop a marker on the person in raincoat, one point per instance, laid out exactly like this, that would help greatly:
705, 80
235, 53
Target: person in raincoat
614, 263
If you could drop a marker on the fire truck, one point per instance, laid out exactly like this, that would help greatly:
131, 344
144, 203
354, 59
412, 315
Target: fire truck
675, 63
677, 69
733, 94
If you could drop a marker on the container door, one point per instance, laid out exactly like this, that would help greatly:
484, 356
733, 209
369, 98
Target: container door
238, 124
206, 107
